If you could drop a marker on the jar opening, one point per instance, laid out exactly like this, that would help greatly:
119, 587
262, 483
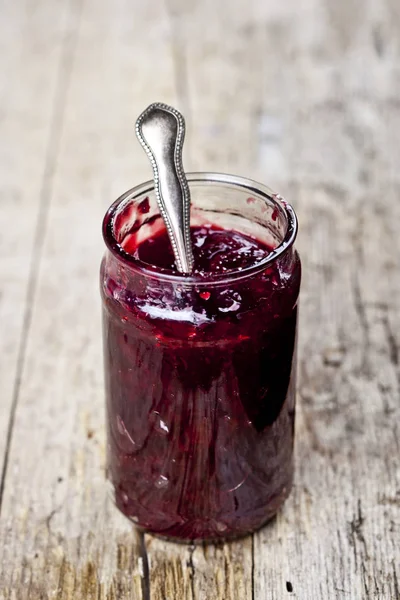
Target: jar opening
228, 201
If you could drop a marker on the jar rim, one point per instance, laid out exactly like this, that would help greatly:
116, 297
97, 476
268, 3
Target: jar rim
213, 278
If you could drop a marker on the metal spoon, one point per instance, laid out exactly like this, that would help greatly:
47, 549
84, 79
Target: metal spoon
161, 131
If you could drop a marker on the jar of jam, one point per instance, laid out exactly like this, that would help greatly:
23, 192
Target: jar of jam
200, 368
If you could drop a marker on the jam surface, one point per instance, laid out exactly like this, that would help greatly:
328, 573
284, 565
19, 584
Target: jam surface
200, 386
215, 250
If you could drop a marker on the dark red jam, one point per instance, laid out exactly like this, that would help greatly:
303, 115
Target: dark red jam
215, 250
200, 384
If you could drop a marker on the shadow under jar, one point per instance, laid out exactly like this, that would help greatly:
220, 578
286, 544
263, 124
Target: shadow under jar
200, 369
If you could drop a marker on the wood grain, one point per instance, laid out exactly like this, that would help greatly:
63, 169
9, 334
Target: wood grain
30, 101
303, 96
341, 524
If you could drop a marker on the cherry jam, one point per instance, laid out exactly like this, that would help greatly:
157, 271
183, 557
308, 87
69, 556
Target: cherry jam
200, 380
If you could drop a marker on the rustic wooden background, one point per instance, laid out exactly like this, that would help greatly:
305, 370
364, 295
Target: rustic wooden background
304, 96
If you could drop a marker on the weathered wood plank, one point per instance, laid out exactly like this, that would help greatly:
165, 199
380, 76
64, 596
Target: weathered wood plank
31, 67
220, 53
338, 535
61, 536
205, 571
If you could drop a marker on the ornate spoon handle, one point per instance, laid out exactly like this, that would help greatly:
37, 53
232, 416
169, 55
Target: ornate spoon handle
161, 131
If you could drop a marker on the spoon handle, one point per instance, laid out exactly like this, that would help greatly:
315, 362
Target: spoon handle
161, 131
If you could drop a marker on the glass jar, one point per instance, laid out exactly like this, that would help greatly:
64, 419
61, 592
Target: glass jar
200, 370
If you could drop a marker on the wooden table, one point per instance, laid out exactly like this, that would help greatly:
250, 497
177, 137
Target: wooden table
304, 96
